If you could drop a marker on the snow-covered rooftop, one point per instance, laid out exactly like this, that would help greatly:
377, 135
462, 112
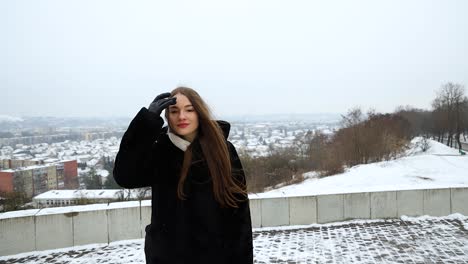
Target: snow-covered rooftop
76, 194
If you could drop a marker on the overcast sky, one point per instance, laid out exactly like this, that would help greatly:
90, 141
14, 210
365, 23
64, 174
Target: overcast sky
109, 58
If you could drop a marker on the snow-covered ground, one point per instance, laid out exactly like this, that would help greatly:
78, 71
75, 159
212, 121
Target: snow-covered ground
438, 167
405, 240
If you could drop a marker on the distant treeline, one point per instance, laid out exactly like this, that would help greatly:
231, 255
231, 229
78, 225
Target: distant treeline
31, 139
362, 139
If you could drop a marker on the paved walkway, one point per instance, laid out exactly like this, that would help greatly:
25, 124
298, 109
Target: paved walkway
421, 240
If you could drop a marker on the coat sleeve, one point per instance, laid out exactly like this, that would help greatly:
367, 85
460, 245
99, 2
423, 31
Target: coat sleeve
241, 223
134, 164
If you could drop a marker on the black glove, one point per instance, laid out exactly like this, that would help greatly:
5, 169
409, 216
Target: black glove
161, 102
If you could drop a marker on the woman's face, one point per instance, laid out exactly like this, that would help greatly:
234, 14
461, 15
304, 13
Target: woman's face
183, 119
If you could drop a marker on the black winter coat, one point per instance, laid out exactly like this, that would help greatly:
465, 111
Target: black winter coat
194, 230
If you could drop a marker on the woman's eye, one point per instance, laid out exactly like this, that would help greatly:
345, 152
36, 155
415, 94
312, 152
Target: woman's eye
189, 110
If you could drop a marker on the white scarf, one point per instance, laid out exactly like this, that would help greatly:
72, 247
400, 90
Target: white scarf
179, 142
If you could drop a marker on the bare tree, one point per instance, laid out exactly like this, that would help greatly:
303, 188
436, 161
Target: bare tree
12, 201
143, 193
449, 107
420, 120
316, 149
364, 139
424, 144
123, 195
353, 122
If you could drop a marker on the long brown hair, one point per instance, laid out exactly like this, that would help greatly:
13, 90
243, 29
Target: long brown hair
226, 188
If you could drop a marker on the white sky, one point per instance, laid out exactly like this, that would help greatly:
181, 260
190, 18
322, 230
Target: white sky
109, 58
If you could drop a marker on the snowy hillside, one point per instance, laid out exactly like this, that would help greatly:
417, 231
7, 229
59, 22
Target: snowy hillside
439, 167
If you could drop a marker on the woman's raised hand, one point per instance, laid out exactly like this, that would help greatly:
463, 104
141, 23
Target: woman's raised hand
161, 102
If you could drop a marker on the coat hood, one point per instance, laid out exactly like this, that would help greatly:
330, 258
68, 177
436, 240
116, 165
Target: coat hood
225, 126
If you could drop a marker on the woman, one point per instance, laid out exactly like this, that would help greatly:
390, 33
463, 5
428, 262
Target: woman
200, 208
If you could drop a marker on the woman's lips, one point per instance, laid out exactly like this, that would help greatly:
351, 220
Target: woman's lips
182, 125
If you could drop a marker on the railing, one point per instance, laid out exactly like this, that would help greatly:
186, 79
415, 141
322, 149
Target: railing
52, 228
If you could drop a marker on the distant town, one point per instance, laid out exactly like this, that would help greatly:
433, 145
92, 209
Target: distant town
33, 154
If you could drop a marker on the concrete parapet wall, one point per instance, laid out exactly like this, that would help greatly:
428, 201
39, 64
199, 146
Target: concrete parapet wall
459, 199
330, 208
302, 210
357, 206
383, 205
54, 231
256, 212
145, 210
84, 233
17, 235
79, 225
275, 212
410, 203
124, 223
437, 202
